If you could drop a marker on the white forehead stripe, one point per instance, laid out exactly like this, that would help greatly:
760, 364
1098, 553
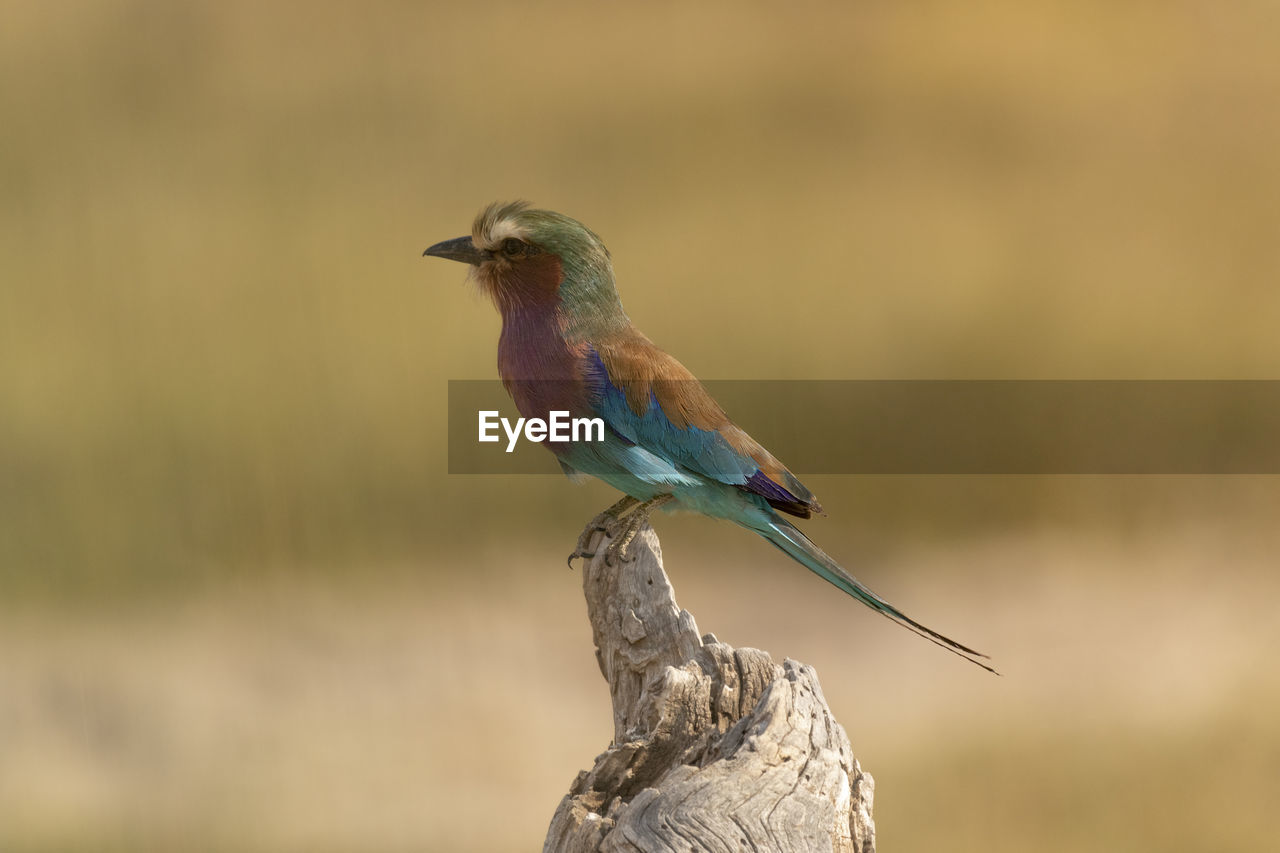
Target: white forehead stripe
499, 231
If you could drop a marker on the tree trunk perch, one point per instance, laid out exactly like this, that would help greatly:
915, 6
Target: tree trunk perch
714, 748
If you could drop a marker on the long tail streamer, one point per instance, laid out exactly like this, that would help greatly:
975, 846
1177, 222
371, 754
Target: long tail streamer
788, 539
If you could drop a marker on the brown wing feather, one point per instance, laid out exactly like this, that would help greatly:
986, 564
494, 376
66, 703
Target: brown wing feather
637, 366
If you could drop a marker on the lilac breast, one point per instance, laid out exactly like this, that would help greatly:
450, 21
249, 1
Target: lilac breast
540, 370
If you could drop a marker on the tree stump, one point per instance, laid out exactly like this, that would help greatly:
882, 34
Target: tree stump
714, 748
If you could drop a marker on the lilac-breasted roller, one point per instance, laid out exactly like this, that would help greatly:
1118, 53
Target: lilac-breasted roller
566, 345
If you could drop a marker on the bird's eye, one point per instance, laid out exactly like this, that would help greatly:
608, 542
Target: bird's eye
511, 247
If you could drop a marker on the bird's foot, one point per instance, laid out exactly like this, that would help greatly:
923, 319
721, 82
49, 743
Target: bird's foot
602, 523
631, 525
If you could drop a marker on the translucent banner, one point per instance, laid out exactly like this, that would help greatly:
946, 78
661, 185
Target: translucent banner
929, 427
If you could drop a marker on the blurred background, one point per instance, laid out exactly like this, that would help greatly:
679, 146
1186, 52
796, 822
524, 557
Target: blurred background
244, 607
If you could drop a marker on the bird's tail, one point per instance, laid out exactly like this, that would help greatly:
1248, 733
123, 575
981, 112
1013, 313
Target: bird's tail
788, 539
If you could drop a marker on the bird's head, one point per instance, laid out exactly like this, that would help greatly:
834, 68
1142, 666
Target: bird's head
524, 256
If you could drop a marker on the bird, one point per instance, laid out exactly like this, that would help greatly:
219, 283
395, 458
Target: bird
567, 345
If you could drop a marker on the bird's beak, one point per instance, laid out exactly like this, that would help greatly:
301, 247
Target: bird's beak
457, 249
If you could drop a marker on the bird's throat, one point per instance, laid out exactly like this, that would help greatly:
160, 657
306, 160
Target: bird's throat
525, 284
542, 371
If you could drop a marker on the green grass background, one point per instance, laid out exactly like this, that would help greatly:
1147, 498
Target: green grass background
242, 604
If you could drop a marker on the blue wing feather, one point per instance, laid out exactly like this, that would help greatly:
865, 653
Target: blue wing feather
705, 452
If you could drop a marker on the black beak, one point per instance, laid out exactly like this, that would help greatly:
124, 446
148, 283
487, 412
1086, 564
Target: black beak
457, 249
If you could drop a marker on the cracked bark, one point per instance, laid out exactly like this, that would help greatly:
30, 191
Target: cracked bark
714, 748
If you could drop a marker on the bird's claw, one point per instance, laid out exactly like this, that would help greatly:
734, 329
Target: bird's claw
584, 541
619, 550
622, 547
622, 528
617, 553
585, 555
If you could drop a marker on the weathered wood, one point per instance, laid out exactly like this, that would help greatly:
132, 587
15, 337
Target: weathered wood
714, 748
